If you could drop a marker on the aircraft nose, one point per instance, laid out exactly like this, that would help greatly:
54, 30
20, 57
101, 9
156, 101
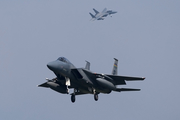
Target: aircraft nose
52, 66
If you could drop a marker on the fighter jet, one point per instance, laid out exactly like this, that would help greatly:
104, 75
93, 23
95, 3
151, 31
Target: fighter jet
101, 15
83, 81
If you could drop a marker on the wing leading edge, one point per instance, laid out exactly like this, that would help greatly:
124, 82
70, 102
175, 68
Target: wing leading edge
126, 89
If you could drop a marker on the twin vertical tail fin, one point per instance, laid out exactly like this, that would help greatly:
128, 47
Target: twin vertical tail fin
92, 15
95, 11
115, 69
87, 65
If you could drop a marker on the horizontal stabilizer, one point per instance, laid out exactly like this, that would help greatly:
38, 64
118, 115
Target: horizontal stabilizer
126, 89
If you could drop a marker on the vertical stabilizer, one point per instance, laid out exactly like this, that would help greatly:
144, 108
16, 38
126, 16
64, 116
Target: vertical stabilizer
115, 69
95, 11
87, 65
92, 15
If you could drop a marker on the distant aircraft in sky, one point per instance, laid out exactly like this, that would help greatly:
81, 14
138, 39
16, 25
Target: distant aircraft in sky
101, 15
83, 81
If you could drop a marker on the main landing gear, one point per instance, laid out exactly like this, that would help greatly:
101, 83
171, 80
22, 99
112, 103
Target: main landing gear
96, 97
73, 98
73, 95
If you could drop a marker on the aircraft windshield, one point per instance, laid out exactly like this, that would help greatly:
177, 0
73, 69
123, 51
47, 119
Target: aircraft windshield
63, 59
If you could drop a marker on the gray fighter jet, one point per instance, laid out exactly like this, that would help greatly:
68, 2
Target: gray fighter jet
101, 15
83, 81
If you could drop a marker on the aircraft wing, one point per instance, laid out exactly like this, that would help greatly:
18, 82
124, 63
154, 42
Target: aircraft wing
97, 18
127, 78
118, 79
126, 89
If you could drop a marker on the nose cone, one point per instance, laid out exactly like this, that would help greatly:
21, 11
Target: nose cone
53, 66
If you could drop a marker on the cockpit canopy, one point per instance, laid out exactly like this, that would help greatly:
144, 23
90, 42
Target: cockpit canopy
63, 59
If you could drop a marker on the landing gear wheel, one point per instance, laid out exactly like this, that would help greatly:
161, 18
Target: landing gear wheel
73, 98
96, 97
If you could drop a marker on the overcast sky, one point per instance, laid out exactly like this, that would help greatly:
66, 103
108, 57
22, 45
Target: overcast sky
144, 36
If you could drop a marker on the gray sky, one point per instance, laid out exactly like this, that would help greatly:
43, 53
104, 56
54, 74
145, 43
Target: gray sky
143, 35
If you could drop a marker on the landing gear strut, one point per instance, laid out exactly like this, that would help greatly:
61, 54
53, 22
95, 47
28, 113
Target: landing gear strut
67, 90
68, 83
